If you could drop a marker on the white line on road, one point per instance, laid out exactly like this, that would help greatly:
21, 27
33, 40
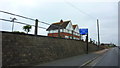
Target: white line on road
101, 57
89, 61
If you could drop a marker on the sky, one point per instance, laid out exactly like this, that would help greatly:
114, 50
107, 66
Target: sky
81, 12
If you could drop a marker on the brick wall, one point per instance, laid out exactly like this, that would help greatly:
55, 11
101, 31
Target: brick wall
62, 34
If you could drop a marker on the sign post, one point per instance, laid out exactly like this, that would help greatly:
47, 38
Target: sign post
85, 32
87, 44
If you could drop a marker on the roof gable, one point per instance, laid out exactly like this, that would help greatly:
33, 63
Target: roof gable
76, 29
74, 26
69, 26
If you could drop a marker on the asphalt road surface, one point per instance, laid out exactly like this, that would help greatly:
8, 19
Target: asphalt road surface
105, 59
74, 62
110, 59
71, 61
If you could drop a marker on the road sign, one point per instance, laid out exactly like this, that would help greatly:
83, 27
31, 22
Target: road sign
83, 31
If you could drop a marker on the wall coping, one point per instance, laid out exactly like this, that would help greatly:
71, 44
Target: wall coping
37, 35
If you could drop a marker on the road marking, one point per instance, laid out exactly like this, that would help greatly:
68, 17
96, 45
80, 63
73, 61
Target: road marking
89, 61
102, 56
86, 63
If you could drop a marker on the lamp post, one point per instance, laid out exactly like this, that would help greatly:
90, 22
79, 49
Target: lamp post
13, 20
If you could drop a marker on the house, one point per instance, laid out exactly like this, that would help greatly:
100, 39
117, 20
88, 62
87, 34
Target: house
76, 32
64, 29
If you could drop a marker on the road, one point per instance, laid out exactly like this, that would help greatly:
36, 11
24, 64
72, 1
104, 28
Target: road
75, 62
110, 59
71, 61
107, 58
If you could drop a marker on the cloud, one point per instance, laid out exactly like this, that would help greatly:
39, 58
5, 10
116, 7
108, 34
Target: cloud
53, 10
93, 0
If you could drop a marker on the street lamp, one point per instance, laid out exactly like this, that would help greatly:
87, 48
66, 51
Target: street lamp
13, 20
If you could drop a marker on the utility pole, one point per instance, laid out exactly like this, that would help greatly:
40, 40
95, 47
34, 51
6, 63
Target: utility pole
98, 33
36, 27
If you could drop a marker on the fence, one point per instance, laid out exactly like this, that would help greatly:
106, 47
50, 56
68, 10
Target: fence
36, 22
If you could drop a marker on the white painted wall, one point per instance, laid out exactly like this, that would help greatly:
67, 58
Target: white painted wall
56, 31
53, 31
69, 26
66, 36
77, 29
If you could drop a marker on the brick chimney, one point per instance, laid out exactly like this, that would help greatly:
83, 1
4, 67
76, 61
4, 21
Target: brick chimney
61, 21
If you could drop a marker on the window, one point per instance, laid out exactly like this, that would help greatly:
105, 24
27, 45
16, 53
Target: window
66, 37
61, 30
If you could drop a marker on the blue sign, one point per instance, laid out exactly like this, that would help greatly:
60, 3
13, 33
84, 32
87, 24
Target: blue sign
83, 31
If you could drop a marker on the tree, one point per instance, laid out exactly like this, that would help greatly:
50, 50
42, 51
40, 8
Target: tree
27, 28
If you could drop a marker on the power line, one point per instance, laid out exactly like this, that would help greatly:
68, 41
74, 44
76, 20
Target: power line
44, 23
42, 27
17, 15
21, 23
29, 19
78, 9
22, 16
14, 21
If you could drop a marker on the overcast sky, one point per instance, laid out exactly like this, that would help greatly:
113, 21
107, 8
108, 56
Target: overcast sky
81, 12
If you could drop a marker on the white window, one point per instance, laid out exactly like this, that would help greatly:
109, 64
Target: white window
64, 30
69, 31
54, 31
48, 31
66, 36
76, 34
51, 31
61, 30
